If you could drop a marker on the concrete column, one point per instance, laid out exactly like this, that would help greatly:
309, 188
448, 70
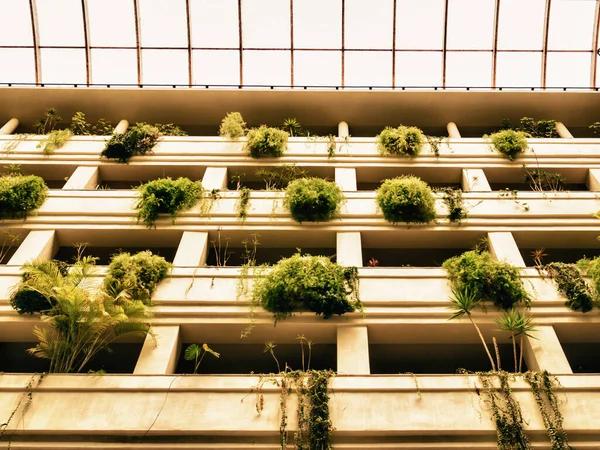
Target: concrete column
593, 180
160, 352
353, 350
563, 131
215, 178
474, 180
39, 244
545, 352
343, 130
83, 178
349, 249
121, 127
192, 249
346, 179
453, 132
10, 126
504, 248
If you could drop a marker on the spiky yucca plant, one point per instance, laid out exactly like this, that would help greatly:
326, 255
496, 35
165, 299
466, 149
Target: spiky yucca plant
519, 325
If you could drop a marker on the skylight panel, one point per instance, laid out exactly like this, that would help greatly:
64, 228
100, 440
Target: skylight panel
214, 23
278, 63
266, 24
21, 68
568, 70
108, 28
322, 30
15, 24
114, 66
469, 69
63, 66
521, 24
169, 67
419, 24
369, 24
216, 67
418, 69
163, 23
328, 62
470, 24
60, 23
522, 69
368, 68
571, 25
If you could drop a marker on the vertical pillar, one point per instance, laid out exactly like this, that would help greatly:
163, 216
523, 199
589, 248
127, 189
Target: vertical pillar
83, 178
453, 132
545, 352
563, 131
39, 244
346, 179
10, 126
504, 248
160, 352
215, 178
353, 350
343, 130
349, 249
593, 180
121, 127
474, 180
192, 249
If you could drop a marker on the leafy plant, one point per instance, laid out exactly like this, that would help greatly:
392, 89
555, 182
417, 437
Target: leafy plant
233, 126
196, 353
136, 140
407, 141
541, 181
20, 194
509, 143
80, 126
292, 127
54, 140
170, 129
84, 319
139, 274
452, 198
9, 241
305, 282
313, 199
595, 127
27, 298
47, 122
572, 285
487, 279
279, 178
406, 199
166, 196
534, 128
463, 302
514, 195
266, 142
242, 203
519, 325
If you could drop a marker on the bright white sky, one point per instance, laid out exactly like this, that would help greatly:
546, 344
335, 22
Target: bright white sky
368, 42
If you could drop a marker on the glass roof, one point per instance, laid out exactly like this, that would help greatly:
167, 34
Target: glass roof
314, 43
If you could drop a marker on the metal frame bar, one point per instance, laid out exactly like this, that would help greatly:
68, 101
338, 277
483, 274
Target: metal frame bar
394, 45
495, 43
545, 42
35, 34
343, 43
136, 16
445, 44
189, 40
241, 47
595, 34
86, 42
292, 42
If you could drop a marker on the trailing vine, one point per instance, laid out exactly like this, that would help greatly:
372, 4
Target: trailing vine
571, 284
542, 386
26, 399
242, 203
452, 198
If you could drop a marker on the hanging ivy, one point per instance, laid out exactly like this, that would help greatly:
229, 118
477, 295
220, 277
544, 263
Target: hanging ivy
571, 284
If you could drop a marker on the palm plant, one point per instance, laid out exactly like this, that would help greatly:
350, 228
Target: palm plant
519, 325
196, 353
84, 319
270, 348
463, 303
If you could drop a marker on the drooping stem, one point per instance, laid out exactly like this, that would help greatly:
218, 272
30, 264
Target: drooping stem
514, 342
497, 353
521, 355
487, 350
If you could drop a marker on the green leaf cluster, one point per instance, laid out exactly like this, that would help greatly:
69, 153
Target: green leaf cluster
572, 285
533, 128
81, 127
509, 143
166, 196
406, 199
265, 141
137, 140
305, 282
487, 279
139, 274
313, 199
407, 141
232, 126
54, 140
20, 194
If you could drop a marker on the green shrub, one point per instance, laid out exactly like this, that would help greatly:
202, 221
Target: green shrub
406, 199
26, 298
407, 141
137, 140
170, 129
166, 196
20, 194
591, 268
139, 274
572, 285
487, 279
509, 143
81, 127
265, 141
533, 128
313, 199
304, 282
232, 126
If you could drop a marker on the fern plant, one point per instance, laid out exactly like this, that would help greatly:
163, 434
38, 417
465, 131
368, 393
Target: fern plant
406, 199
406, 141
20, 194
137, 140
313, 199
266, 142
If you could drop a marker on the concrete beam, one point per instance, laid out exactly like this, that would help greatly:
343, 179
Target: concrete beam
343, 130
545, 352
83, 178
563, 131
215, 178
121, 127
453, 132
349, 249
10, 126
504, 248
593, 180
346, 179
39, 244
474, 180
192, 249
353, 350
160, 352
